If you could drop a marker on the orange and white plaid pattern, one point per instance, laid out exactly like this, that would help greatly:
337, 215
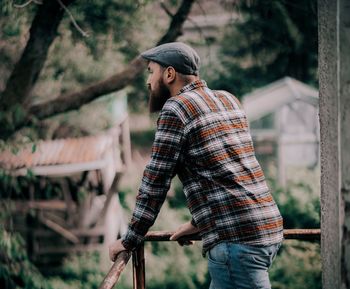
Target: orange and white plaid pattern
203, 137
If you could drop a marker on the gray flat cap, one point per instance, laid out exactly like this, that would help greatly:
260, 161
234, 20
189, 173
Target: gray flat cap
176, 54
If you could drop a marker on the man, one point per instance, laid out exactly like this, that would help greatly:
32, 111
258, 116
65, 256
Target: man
203, 137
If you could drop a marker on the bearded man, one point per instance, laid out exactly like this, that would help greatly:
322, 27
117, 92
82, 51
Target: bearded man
203, 137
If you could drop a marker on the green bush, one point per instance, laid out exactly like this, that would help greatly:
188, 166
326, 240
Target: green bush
142, 139
299, 203
79, 271
178, 200
297, 266
16, 271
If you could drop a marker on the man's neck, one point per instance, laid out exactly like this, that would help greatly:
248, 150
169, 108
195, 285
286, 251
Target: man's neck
178, 84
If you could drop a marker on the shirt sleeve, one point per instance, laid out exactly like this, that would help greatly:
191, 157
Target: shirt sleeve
193, 223
156, 178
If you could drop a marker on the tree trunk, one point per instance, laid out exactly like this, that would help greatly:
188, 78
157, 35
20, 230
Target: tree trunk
42, 33
28, 68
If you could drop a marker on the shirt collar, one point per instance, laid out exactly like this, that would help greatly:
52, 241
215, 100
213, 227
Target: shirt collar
193, 85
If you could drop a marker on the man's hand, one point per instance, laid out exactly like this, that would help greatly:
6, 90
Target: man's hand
115, 249
183, 230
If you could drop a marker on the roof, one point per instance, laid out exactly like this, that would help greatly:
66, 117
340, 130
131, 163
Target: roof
53, 156
269, 98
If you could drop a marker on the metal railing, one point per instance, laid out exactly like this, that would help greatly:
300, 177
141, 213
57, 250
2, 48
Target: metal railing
138, 257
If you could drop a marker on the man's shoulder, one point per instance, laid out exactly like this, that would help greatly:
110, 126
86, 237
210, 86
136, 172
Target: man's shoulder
172, 106
180, 101
183, 105
228, 94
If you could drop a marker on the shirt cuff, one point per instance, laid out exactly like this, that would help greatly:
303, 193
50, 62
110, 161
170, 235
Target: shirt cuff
131, 240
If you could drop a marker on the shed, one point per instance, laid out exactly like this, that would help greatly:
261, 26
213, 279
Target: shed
283, 118
71, 203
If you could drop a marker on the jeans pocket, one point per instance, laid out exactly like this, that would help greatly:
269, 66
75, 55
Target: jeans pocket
259, 256
218, 254
256, 268
259, 261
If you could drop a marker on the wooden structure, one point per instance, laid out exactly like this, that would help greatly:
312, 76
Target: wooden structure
73, 203
283, 119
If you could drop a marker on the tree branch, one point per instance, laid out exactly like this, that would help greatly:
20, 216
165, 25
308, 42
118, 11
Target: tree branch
74, 100
28, 68
75, 24
166, 9
175, 28
27, 3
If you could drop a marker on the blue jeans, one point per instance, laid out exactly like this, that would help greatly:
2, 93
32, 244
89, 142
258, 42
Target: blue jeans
238, 266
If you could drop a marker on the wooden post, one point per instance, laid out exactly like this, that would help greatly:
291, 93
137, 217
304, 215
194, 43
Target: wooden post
125, 142
69, 201
138, 265
110, 193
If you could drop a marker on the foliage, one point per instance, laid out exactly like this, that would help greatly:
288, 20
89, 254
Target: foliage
297, 266
178, 200
299, 202
297, 213
271, 39
142, 139
108, 19
12, 186
73, 60
181, 267
122, 198
16, 270
79, 271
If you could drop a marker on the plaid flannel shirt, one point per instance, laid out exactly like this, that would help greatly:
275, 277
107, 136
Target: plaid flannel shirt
203, 136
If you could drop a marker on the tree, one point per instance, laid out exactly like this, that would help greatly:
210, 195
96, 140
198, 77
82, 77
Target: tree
15, 100
271, 39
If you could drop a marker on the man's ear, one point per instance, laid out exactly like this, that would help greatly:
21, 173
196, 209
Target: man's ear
169, 75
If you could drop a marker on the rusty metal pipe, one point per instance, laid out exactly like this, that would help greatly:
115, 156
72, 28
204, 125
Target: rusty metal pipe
123, 258
297, 234
113, 275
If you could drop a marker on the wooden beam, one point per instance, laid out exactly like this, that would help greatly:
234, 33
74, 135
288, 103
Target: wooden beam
125, 142
68, 199
84, 232
24, 206
62, 170
59, 229
110, 194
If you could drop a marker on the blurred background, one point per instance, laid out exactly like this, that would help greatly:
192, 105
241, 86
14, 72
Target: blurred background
76, 133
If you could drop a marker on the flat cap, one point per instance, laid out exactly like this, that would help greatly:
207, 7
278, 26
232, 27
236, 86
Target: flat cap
179, 55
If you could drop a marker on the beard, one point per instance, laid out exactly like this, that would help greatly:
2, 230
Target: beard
158, 97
